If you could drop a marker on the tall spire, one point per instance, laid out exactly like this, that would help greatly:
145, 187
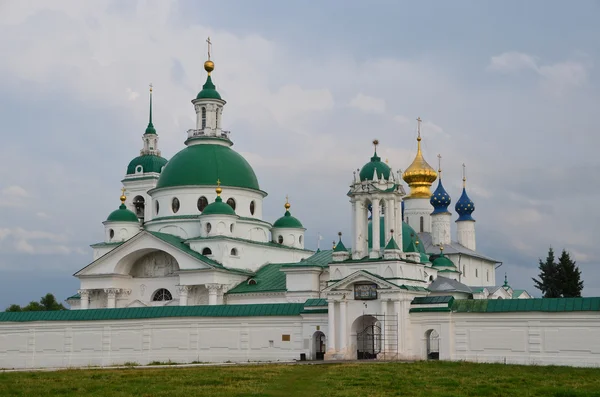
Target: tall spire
150, 129
209, 91
419, 175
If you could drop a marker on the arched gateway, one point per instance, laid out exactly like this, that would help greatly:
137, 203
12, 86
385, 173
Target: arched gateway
366, 335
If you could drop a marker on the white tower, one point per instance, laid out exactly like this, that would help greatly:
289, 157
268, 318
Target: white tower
440, 217
419, 176
465, 224
143, 172
375, 187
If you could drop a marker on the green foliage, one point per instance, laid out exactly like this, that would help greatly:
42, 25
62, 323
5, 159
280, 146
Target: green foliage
46, 303
559, 279
427, 379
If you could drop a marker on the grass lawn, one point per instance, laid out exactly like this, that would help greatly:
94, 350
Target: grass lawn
372, 379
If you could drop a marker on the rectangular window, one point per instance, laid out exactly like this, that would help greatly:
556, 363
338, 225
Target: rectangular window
365, 291
285, 338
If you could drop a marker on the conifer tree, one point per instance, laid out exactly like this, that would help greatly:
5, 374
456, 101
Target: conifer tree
569, 276
548, 281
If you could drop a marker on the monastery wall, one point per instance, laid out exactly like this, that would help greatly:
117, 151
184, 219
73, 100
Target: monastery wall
530, 338
181, 340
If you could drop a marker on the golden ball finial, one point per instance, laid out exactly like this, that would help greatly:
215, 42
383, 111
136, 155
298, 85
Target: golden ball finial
287, 204
441, 247
218, 189
123, 198
209, 66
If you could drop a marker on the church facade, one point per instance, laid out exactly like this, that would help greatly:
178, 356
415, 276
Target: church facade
190, 271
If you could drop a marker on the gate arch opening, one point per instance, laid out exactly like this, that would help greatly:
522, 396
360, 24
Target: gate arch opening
366, 337
319, 346
432, 340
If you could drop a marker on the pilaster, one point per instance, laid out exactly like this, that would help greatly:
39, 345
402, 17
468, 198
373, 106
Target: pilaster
85, 298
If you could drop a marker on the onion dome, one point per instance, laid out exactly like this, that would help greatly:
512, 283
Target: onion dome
218, 207
440, 200
122, 214
367, 172
287, 221
443, 262
506, 286
419, 175
340, 247
464, 206
209, 91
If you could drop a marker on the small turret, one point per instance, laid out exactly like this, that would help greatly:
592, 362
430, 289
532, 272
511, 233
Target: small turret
121, 224
465, 224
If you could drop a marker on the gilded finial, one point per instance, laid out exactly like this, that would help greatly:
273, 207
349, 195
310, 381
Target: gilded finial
439, 164
333, 244
218, 189
375, 143
123, 197
209, 65
441, 248
464, 175
287, 203
419, 129
340, 235
387, 161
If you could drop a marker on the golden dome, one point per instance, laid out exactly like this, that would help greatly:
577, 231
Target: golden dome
123, 198
218, 190
419, 175
209, 66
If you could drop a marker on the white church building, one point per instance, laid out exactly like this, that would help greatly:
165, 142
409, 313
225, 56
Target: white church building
190, 271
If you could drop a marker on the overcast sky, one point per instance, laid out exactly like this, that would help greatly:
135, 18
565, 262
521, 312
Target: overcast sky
510, 88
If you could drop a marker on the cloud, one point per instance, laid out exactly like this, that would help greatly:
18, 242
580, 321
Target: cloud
36, 242
554, 78
368, 104
13, 196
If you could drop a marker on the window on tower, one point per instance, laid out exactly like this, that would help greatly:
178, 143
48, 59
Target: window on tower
162, 295
175, 205
231, 203
421, 225
140, 204
203, 117
202, 203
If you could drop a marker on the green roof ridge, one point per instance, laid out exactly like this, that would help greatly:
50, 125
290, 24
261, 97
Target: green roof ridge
391, 245
340, 247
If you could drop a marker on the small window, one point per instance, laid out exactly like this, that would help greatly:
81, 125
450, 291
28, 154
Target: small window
285, 338
206, 251
203, 117
252, 282
231, 228
162, 295
217, 119
476, 273
280, 239
138, 203
300, 239
208, 227
231, 203
139, 169
175, 205
111, 233
157, 206
202, 203
465, 270
487, 275
252, 207
421, 225
234, 252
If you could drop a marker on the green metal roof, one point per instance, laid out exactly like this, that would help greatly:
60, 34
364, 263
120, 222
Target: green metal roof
517, 292
218, 208
340, 247
272, 309
209, 91
122, 215
443, 261
368, 170
204, 165
315, 302
268, 278
526, 305
432, 300
149, 163
391, 245
409, 239
288, 221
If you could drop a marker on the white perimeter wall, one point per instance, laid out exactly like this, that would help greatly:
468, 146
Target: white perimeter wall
181, 340
533, 338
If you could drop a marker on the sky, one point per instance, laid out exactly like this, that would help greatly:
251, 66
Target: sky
511, 89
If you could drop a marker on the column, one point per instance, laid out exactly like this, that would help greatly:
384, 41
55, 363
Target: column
212, 293
354, 228
375, 229
85, 299
184, 291
331, 327
384, 330
112, 297
343, 326
221, 295
400, 333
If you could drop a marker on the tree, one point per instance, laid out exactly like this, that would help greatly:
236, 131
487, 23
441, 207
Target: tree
569, 276
46, 303
548, 277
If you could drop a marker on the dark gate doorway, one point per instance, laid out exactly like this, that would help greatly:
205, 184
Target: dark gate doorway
433, 344
368, 338
319, 345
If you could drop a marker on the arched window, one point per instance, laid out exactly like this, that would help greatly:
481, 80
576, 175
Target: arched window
203, 117
234, 252
231, 202
476, 273
280, 239
252, 282
111, 233
252, 207
157, 206
139, 203
162, 295
300, 239
202, 203
208, 227
464, 270
421, 225
206, 251
217, 119
175, 205
231, 228
487, 275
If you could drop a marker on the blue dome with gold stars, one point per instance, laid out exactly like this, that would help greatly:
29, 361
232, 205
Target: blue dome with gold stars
464, 207
440, 200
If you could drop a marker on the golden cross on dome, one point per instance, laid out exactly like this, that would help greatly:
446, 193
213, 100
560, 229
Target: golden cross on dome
439, 162
464, 175
218, 182
209, 45
151, 87
419, 127
375, 143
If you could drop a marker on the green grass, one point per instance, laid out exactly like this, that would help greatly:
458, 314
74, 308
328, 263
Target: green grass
353, 379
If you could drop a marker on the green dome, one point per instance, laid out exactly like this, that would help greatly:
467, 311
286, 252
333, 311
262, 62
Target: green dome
366, 173
442, 261
209, 91
288, 221
205, 164
149, 163
218, 208
409, 237
122, 215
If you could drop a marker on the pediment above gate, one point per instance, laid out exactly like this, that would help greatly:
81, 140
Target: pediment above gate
358, 277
